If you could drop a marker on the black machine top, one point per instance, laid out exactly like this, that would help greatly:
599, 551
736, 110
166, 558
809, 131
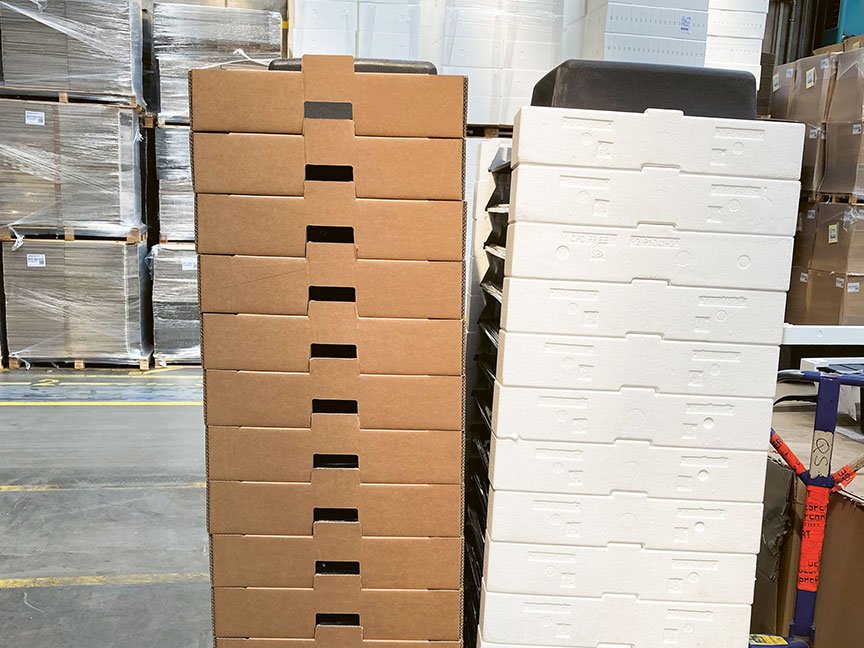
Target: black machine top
379, 66
636, 87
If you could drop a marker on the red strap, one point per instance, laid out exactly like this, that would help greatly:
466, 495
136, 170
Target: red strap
812, 536
786, 452
844, 476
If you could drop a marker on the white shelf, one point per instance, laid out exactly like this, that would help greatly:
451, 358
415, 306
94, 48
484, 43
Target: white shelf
824, 335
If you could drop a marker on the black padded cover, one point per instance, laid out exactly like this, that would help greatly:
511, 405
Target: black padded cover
380, 66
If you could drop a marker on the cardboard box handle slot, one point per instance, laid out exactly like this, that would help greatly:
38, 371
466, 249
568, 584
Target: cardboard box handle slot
337, 619
333, 351
337, 567
335, 461
329, 173
328, 110
332, 294
335, 515
329, 234
334, 406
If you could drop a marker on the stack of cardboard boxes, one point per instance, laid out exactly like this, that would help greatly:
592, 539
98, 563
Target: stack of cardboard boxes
331, 232
636, 360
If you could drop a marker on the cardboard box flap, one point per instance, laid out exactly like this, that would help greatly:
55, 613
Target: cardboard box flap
291, 455
332, 330
286, 286
282, 165
282, 226
263, 101
382, 614
300, 561
274, 399
265, 508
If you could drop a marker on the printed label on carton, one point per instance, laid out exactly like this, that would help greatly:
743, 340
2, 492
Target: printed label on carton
840, 282
189, 264
814, 133
824, 63
853, 287
686, 23
810, 78
790, 73
856, 129
36, 261
811, 214
775, 82
34, 118
804, 277
833, 233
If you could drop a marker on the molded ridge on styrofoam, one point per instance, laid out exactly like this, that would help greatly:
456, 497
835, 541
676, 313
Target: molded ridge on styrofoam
632, 466
688, 421
597, 308
597, 520
556, 251
667, 366
517, 568
665, 196
615, 621
619, 140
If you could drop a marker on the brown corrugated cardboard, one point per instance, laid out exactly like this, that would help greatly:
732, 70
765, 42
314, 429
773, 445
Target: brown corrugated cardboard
282, 165
380, 346
835, 298
296, 561
796, 298
383, 614
259, 101
282, 226
834, 48
333, 637
782, 87
814, 78
275, 508
291, 455
805, 235
839, 245
273, 399
844, 159
291, 286
847, 96
853, 43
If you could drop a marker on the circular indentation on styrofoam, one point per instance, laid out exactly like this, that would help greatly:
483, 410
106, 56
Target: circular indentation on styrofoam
562, 253
721, 316
557, 468
555, 520
587, 139
688, 628
567, 362
629, 520
683, 259
699, 527
708, 423
573, 309
561, 415
714, 370
702, 475
734, 205
545, 622
550, 570
737, 148
693, 577
636, 418
744, 262
583, 197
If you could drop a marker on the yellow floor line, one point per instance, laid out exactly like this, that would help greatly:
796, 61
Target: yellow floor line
109, 403
92, 581
43, 488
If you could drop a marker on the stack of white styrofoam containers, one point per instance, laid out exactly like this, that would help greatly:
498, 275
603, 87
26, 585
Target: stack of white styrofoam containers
671, 32
503, 46
735, 32
389, 29
324, 27
646, 268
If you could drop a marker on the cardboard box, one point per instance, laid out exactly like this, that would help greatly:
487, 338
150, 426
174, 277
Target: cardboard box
805, 235
844, 158
283, 226
782, 90
332, 636
377, 105
292, 400
290, 509
839, 245
847, 97
328, 151
296, 286
300, 561
376, 346
835, 298
796, 298
297, 454
814, 80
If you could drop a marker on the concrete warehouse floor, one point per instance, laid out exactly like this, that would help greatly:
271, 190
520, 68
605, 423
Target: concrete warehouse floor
102, 533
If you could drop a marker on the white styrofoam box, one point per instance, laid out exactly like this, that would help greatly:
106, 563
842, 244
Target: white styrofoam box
579, 252
323, 41
617, 309
720, 49
572, 40
529, 21
755, 6
646, 20
632, 466
693, 5
388, 45
610, 363
498, 53
574, 10
328, 15
517, 568
390, 18
631, 48
615, 621
736, 24
664, 196
620, 140
597, 520
636, 414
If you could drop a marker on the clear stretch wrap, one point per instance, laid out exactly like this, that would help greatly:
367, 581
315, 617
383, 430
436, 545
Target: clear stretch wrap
176, 197
76, 300
81, 46
70, 166
176, 318
186, 37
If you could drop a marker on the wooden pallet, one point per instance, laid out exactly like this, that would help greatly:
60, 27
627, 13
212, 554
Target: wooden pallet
53, 95
844, 199
78, 365
489, 131
132, 236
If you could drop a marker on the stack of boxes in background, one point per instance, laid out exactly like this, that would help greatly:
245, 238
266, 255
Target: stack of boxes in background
333, 350
735, 32
634, 376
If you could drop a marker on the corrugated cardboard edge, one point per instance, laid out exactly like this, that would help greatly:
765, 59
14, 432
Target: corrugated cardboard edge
464, 358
